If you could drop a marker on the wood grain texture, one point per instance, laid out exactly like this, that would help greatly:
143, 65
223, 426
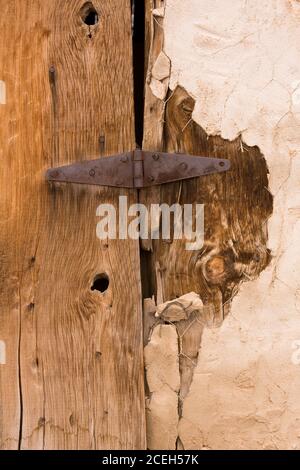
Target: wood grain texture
237, 206
154, 108
74, 372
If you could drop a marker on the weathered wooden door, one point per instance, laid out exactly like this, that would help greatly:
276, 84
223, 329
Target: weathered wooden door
71, 346
73, 372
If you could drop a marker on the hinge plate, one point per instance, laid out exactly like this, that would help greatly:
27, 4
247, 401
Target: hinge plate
138, 169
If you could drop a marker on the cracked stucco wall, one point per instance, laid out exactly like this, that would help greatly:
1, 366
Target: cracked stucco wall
240, 60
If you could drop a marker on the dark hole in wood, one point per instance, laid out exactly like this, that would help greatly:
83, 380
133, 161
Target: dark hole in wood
101, 283
89, 14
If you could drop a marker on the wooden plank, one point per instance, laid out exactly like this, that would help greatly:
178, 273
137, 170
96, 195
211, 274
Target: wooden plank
248, 367
237, 206
74, 372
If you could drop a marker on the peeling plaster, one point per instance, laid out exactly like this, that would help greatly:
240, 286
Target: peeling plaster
240, 61
164, 385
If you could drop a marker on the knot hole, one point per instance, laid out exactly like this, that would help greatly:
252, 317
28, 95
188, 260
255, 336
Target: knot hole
101, 283
89, 16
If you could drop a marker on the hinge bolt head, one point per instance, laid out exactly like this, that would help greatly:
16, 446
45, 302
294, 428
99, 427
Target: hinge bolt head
92, 172
155, 156
124, 159
151, 179
184, 166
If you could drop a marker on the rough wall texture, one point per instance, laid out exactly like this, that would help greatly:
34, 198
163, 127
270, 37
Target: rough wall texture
240, 61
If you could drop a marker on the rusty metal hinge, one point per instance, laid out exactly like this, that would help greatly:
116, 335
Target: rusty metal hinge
138, 169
